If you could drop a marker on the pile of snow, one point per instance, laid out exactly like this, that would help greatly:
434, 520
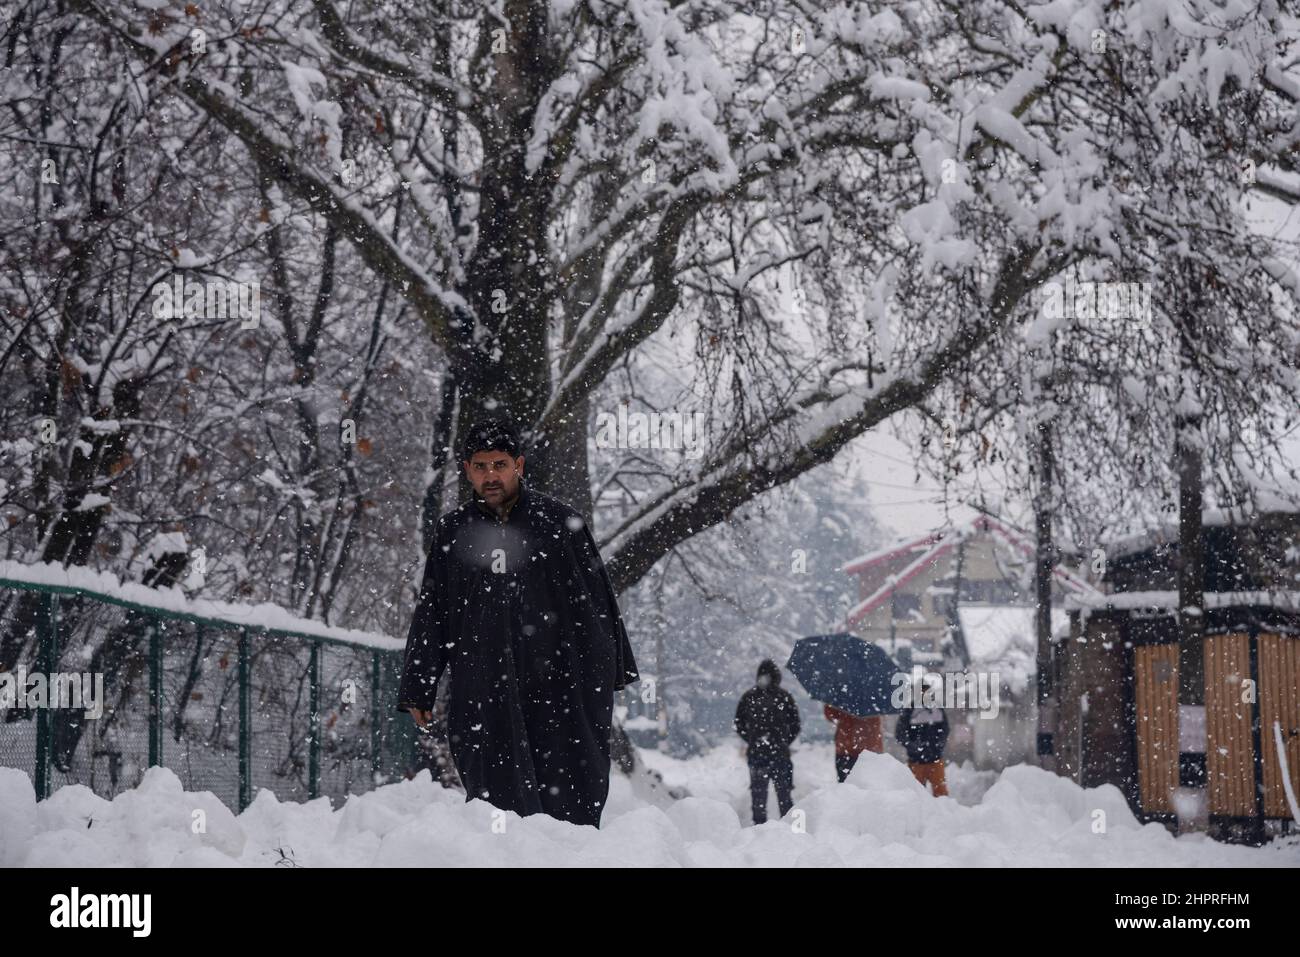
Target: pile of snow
879, 817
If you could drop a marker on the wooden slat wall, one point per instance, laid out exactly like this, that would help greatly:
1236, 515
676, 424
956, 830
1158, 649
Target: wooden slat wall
1155, 670
1230, 750
1279, 700
1106, 751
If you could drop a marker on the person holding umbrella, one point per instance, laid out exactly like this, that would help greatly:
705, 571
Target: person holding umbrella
854, 679
767, 719
853, 735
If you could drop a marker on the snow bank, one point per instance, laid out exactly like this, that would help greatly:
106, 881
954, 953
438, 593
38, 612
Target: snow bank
879, 817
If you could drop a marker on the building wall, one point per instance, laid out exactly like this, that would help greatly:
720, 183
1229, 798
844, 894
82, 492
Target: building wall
1093, 738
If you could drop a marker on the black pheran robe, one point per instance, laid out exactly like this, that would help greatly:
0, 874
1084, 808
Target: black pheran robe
523, 615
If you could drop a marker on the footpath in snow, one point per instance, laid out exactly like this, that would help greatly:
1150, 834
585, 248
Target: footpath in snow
879, 818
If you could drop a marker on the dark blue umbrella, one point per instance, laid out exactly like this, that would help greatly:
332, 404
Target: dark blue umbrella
845, 671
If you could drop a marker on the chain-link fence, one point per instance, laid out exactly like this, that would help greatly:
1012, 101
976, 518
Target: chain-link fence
231, 706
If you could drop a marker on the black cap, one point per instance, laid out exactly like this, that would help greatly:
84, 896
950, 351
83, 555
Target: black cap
491, 434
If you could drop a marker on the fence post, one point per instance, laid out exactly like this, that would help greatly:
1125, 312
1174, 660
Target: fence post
1256, 827
313, 723
46, 655
376, 736
155, 692
245, 725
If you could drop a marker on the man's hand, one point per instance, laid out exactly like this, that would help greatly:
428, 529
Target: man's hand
422, 718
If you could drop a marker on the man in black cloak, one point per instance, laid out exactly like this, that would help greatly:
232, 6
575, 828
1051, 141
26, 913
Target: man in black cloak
517, 603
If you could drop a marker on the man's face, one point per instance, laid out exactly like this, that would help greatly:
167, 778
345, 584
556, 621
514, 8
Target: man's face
494, 475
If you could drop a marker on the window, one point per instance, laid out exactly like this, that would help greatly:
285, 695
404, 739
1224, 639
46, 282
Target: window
905, 605
942, 605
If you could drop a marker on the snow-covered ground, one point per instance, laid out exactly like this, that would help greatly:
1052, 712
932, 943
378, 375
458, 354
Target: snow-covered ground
880, 817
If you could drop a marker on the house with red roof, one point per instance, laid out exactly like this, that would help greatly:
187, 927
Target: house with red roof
961, 600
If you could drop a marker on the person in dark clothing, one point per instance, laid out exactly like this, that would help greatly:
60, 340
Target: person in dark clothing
768, 721
517, 603
923, 733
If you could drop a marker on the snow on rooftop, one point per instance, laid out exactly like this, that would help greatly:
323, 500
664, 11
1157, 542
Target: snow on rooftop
1004, 639
1166, 533
895, 549
1130, 600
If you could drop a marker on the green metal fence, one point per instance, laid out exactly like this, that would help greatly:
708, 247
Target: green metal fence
230, 706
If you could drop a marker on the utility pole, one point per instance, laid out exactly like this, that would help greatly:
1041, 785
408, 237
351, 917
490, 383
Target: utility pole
1045, 561
1191, 559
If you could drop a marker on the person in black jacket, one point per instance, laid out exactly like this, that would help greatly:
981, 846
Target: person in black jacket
923, 733
518, 609
768, 720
